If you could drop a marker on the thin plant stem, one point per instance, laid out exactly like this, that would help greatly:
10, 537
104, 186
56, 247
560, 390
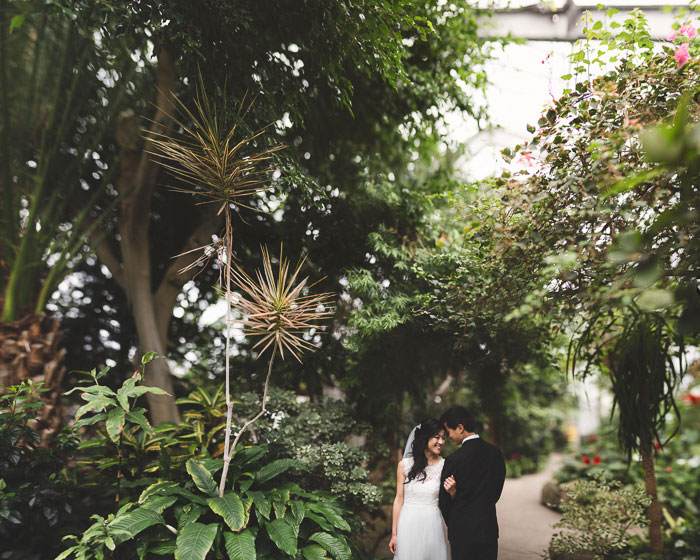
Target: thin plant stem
229, 455
229, 402
119, 468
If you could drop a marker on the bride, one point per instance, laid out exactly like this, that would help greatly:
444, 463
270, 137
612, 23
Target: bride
418, 531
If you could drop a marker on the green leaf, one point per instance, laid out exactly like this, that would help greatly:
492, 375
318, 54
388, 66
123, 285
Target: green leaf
338, 548
651, 300
263, 506
131, 523
189, 514
161, 488
94, 405
202, 477
275, 468
16, 22
115, 423
230, 507
164, 548
160, 503
109, 543
149, 357
137, 417
195, 540
282, 534
99, 417
314, 552
240, 546
628, 183
298, 511
96, 389
331, 514
320, 520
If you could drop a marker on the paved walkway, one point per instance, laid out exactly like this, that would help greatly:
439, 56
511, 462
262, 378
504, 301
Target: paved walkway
525, 524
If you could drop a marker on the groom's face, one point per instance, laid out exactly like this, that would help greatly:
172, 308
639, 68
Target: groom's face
457, 434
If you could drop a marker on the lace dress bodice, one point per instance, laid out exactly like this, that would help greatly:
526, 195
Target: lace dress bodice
423, 492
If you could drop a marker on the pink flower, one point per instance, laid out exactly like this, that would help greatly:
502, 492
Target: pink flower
668, 469
688, 30
682, 55
671, 36
526, 158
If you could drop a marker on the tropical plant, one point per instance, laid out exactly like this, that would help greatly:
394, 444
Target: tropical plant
188, 519
58, 159
176, 508
56, 131
272, 307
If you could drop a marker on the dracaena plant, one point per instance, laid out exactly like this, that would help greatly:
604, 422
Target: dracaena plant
275, 308
222, 167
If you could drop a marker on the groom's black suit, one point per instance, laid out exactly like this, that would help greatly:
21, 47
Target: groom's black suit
479, 469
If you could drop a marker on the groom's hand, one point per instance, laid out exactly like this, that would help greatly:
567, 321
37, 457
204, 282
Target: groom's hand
450, 486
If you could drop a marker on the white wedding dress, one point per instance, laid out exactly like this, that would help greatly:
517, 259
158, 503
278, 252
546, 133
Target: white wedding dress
421, 533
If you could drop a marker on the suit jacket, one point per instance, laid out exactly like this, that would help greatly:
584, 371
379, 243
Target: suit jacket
480, 471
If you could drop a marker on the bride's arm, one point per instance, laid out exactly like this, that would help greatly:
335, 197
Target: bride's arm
398, 504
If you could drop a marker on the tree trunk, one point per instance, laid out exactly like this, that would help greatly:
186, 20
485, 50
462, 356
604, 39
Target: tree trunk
492, 432
656, 538
136, 183
151, 306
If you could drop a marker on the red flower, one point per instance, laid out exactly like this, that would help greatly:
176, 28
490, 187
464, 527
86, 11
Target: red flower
657, 446
592, 438
692, 399
668, 469
597, 460
514, 456
585, 460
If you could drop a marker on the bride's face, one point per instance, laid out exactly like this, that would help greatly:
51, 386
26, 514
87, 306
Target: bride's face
436, 442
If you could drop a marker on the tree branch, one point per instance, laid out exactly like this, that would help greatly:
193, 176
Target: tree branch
110, 260
176, 277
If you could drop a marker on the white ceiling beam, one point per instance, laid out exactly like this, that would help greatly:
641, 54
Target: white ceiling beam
538, 23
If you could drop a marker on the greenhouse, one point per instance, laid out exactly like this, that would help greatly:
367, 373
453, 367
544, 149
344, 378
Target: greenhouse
353, 280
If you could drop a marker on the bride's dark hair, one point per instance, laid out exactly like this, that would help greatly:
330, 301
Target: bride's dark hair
428, 428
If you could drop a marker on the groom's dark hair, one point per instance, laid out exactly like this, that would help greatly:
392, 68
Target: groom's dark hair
456, 415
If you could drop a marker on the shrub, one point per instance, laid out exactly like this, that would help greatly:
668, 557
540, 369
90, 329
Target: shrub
317, 435
598, 514
34, 491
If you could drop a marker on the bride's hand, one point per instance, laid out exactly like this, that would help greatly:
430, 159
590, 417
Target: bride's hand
450, 486
392, 544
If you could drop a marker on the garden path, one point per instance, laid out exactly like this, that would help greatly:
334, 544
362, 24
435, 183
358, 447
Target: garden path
525, 524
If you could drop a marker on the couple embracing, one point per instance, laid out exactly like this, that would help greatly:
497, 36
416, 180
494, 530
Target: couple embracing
462, 489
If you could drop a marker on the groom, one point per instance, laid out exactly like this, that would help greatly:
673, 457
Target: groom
479, 471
